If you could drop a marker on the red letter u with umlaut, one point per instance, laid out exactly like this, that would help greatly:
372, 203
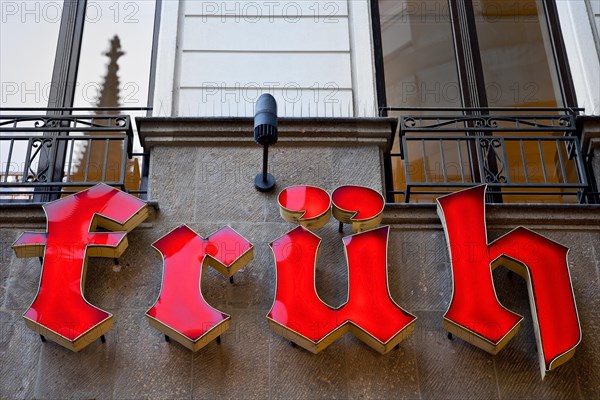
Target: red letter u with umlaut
475, 314
369, 313
59, 311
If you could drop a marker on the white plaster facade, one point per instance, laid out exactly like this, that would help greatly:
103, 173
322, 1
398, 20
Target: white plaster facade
580, 23
216, 57
316, 57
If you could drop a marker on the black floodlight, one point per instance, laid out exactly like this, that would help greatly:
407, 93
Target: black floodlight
265, 134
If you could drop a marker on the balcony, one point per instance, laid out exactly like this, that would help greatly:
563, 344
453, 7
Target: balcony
48, 153
524, 155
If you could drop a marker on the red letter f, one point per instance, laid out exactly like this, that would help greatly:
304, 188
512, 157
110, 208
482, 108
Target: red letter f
59, 310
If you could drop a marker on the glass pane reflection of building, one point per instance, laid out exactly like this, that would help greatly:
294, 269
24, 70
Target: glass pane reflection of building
25, 76
420, 71
114, 71
519, 71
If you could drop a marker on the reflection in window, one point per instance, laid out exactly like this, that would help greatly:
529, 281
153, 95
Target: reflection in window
420, 71
114, 71
519, 70
28, 38
420, 67
25, 76
516, 53
102, 160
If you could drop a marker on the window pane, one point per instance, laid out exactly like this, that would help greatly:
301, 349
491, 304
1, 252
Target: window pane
419, 62
28, 38
420, 71
520, 71
516, 53
114, 71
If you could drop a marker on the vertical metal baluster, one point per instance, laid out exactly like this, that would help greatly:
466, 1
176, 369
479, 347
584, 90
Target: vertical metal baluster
444, 172
87, 161
53, 146
525, 170
480, 156
404, 144
505, 161
10, 150
561, 161
70, 160
424, 160
543, 161
460, 160
106, 143
27, 159
124, 162
470, 154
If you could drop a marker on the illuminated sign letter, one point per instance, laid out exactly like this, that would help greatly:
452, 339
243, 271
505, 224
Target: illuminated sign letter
181, 312
369, 313
475, 314
59, 310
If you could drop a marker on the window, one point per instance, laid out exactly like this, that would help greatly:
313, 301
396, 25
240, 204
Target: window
475, 85
85, 67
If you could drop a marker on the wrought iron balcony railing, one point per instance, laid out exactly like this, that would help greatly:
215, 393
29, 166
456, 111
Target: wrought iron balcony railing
523, 155
45, 156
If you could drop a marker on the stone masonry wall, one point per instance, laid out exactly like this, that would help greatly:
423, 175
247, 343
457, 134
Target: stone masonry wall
205, 179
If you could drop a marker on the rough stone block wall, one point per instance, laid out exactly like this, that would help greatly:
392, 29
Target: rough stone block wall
208, 186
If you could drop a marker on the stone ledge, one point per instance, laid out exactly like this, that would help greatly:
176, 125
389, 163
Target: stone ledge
404, 216
28, 215
233, 131
589, 125
535, 216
